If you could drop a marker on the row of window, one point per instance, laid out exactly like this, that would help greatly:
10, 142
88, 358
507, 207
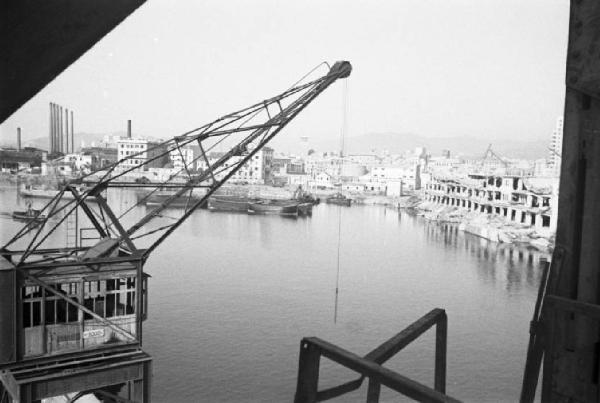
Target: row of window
106, 298
132, 145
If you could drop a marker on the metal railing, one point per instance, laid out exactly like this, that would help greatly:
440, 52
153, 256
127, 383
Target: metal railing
370, 366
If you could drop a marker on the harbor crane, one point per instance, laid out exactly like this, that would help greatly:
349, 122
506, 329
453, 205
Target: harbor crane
71, 315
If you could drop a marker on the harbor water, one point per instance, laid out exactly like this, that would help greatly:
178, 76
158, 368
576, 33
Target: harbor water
231, 296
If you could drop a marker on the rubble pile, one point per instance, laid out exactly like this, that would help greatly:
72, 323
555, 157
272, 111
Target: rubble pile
492, 227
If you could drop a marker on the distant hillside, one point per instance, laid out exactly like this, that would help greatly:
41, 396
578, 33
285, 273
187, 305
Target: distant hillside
465, 145
395, 143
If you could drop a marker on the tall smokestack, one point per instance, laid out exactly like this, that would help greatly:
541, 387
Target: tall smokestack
60, 129
18, 139
72, 134
54, 128
50, 131
129, 128
66, 131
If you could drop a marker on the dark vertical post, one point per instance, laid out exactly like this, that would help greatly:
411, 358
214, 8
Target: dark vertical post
441, 345
139, 289
18, 139
142, 386
129, 128
373, 391
308, 373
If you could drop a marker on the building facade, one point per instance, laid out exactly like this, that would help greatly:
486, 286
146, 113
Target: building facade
507, 196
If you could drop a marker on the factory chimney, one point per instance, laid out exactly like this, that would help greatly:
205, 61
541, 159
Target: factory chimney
50, 132
72, 134
129, 128
66, 131
18, 139
60, 129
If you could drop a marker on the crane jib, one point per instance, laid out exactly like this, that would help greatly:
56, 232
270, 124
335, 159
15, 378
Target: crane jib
248, 130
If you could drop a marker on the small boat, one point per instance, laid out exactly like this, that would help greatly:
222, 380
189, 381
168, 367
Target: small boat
30, 215
229, 203
28, 191
305, 209
339, 199
281, 207
44, 193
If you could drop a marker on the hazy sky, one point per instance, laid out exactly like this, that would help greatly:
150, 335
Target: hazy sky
435, 68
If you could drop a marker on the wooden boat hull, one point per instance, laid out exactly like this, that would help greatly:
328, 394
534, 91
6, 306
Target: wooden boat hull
44, 194
305, 209
28, 216
156, 199
283, 207
338, 201
229, 203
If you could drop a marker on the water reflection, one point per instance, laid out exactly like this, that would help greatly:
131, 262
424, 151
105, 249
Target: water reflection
513, 265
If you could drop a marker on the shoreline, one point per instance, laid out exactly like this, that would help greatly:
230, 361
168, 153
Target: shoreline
491, 227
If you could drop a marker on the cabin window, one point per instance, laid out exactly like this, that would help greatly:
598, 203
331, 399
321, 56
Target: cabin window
49, 308
110, 298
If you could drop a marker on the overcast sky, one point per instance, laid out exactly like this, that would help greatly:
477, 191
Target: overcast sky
434, 68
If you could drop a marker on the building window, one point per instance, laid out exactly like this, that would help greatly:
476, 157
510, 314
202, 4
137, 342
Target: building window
545, 221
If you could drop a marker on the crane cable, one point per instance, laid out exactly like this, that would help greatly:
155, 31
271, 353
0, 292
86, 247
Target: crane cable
339, 240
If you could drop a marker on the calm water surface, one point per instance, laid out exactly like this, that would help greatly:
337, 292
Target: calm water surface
231, 296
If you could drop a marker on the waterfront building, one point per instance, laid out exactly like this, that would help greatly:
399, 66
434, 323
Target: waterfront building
182, 158
135, 151
517, 199
322, 180
409, 174
12, 160
258, 170
79, 161
101, 156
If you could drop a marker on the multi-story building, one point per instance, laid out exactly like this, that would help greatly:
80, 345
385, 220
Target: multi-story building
15, 160
512, 197
135, 151
555, 151
257, 170
181, 155
101, 156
